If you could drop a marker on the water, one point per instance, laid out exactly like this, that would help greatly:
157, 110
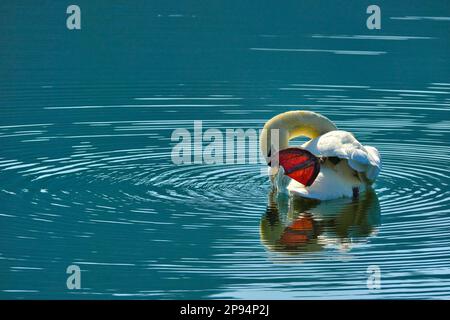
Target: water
86, 174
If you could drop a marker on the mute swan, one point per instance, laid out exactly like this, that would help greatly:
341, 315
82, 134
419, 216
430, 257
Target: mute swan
333, 164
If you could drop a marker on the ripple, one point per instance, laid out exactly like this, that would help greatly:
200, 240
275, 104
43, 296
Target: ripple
95, 181
338, 52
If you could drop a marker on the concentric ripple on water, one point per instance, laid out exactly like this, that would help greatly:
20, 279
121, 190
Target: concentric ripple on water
104, 194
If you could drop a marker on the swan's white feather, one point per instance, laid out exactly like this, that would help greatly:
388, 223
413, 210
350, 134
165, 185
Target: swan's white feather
331, 183
343, 144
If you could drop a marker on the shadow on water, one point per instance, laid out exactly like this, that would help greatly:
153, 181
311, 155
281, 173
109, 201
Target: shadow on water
294, 225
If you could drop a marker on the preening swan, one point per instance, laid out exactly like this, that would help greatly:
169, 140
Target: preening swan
333, 164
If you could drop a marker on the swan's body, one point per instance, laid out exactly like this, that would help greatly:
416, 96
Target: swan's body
347, 167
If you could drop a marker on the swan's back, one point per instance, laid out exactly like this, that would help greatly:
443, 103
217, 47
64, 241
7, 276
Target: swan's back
342, 144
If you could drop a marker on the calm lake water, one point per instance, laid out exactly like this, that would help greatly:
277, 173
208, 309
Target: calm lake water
86, 176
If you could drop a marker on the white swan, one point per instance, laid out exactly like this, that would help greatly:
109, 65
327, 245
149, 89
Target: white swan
334, 165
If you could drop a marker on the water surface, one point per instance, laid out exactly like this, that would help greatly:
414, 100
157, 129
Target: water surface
86, 175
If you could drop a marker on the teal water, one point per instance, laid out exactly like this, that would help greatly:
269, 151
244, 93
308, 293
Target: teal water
86, 175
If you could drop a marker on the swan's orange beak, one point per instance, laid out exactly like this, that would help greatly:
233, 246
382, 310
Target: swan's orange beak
299, 164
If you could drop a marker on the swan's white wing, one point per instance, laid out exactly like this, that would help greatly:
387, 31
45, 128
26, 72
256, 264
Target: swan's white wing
342, 144
375, 162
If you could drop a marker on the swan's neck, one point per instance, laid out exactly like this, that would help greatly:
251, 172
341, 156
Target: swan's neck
279, 130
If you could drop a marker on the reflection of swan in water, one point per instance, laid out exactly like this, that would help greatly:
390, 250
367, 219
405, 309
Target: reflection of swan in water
293, 224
